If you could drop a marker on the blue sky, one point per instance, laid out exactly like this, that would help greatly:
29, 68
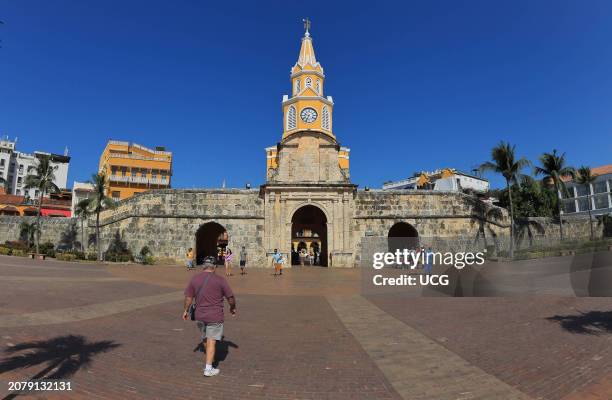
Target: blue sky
416, 85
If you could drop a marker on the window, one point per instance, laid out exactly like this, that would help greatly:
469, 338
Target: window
36, 193
2, 162
600, 187
308, 82
601, 201
582, 190
325, 118
291, 118
18, 192
20, 168
318, 87
115, 195
583, 204
19, 180
569, 206
297, 86
123, 171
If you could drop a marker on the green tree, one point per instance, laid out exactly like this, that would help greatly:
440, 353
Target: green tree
504, 162
531, 199
99, 201
82, 211
27, 232
43, 181
553, 168
585, 177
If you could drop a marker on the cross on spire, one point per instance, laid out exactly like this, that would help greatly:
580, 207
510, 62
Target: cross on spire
306, 26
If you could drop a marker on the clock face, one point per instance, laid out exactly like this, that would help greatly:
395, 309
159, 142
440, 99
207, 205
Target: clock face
308, 115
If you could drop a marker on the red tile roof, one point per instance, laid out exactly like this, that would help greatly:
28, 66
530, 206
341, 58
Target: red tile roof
601, 170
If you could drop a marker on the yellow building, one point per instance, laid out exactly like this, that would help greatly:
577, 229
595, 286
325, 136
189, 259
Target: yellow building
131, 168
307, 109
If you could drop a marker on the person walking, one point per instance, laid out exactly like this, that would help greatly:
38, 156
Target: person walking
243, 261
207, 290
228, 261
277, 260
428, 261
189, 258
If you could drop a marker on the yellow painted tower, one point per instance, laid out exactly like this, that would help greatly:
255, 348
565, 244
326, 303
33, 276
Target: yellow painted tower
307, 109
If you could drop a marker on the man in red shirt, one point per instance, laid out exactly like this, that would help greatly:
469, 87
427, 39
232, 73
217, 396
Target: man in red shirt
209, 290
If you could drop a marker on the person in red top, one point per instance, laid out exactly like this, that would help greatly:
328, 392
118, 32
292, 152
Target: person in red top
208, 290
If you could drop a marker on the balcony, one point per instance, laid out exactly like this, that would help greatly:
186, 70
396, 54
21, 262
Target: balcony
139, 179
119, 178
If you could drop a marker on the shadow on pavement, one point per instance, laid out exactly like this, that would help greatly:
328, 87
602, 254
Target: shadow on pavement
590, 323
60, 357
221, 349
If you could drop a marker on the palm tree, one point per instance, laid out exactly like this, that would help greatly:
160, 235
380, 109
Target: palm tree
82, 211
553, 168
27, 231
99, 201
584, 176
43, 181
505, 163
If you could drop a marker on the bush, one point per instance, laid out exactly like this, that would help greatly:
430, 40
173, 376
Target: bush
66, 256
6, 251
148, 260
47, 249
17, 244
118, 257
92, 256
19, 253
145, 251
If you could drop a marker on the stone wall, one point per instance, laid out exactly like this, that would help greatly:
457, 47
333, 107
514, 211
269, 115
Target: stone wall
55, 230
167, 221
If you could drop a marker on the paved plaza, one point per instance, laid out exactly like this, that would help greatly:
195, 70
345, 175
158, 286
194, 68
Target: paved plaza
115, 331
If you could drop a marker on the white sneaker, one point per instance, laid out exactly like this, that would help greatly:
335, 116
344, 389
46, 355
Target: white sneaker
211, 371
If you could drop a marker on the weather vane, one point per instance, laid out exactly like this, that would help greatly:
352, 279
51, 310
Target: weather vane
306, 26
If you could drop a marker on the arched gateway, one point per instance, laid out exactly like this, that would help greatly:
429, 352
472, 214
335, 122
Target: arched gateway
401, 236
211, 240
309, 235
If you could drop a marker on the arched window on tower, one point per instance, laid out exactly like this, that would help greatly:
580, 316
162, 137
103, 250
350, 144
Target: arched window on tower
291, 118
318, 87
325, 118
297, 86
308, 82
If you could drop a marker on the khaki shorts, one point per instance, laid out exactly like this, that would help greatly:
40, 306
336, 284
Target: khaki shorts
211, 330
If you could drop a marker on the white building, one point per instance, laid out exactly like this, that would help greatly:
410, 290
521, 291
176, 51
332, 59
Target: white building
80, 191
15, 166
596, 197
447, 179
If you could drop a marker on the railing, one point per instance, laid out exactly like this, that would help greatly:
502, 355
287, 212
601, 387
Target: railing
138, 179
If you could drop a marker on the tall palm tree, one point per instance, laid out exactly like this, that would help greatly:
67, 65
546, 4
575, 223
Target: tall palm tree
82, 211
43, 181
504, 162
584, 176
553, 168
99, 201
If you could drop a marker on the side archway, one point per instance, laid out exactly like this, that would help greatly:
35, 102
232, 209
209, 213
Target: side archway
211, 240
401, 236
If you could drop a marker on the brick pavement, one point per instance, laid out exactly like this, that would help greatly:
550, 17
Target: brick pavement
288, 342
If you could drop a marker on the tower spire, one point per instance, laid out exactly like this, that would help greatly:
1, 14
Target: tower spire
306, 27
307, 54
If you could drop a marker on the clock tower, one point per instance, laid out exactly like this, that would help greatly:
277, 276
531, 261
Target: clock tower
307, 109
308, 150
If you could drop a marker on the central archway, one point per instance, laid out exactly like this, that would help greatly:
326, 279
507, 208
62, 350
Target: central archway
211, 240
309, 235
